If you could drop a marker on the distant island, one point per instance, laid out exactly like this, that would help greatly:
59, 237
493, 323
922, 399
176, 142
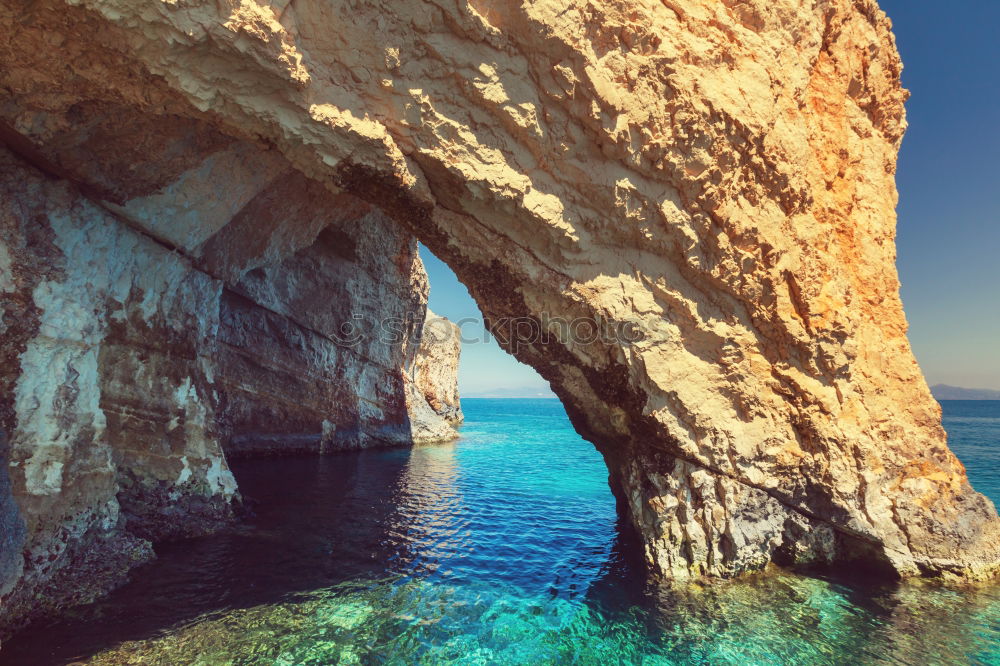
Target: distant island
519, 392
945, 392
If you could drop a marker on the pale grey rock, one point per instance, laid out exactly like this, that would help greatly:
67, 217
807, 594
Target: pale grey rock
435, 368
140, 355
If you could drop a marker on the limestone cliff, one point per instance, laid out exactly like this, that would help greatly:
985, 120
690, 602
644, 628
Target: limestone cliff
432, 382
435, 368
137, 374
680, 212
172, 296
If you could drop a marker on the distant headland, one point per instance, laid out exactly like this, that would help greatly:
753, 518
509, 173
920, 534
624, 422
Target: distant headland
517, 392
945, 392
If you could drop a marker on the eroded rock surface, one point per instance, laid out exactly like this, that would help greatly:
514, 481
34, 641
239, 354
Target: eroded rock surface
432, 382
716, 176
435, 368
142, 372
173, 295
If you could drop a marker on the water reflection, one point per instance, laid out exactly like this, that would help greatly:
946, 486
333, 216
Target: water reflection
790, 619
429, 524
501, 548
316, 522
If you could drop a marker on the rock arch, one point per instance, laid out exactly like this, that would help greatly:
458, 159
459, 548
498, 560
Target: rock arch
717, 177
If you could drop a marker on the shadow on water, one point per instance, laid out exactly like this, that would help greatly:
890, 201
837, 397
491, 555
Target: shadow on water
502, 548
443, 541
317, 522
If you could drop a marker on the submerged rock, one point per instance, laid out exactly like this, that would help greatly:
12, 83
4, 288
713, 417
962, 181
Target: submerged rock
680, 213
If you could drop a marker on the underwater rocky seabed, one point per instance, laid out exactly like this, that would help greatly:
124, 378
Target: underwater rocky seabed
499, 548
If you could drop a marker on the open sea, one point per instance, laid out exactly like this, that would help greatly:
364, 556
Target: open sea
501, 548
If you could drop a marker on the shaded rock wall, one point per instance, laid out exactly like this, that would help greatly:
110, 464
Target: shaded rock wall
110, 410
172, 295
143, 372
316, 346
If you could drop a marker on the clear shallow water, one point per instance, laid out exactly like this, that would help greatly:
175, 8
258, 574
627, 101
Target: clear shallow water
500, 548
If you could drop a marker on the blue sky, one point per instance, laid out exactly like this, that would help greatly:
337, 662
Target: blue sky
484, 368
949, 187
949, 209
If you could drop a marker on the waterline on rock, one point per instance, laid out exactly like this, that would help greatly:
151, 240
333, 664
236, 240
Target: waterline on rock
503, 548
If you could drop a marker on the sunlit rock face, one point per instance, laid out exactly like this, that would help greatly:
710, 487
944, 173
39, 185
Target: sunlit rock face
435, 367
432, 382
710, 184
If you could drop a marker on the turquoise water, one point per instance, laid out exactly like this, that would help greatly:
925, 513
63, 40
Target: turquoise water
974, 435
502, 548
